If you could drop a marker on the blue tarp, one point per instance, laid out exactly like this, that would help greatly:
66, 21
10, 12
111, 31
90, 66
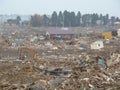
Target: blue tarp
101, 62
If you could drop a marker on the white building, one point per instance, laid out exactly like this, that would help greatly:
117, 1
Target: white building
97, 45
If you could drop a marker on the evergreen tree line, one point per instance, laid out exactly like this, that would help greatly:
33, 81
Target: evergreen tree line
70, 19
14, 21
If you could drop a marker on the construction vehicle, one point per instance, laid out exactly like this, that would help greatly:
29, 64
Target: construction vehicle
26, 53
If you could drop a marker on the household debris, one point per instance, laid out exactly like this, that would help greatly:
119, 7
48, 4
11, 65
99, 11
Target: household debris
30, 61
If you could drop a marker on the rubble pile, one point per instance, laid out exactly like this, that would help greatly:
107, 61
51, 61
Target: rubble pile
31, 62
43, 74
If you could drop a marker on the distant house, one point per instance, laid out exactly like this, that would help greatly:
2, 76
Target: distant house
60, 33
97, 45
117, 23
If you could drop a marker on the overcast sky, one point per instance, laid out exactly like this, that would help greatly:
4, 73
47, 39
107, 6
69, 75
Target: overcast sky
26, 7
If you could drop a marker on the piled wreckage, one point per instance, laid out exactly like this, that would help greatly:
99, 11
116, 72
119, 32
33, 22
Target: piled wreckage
56, 72
77, 64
